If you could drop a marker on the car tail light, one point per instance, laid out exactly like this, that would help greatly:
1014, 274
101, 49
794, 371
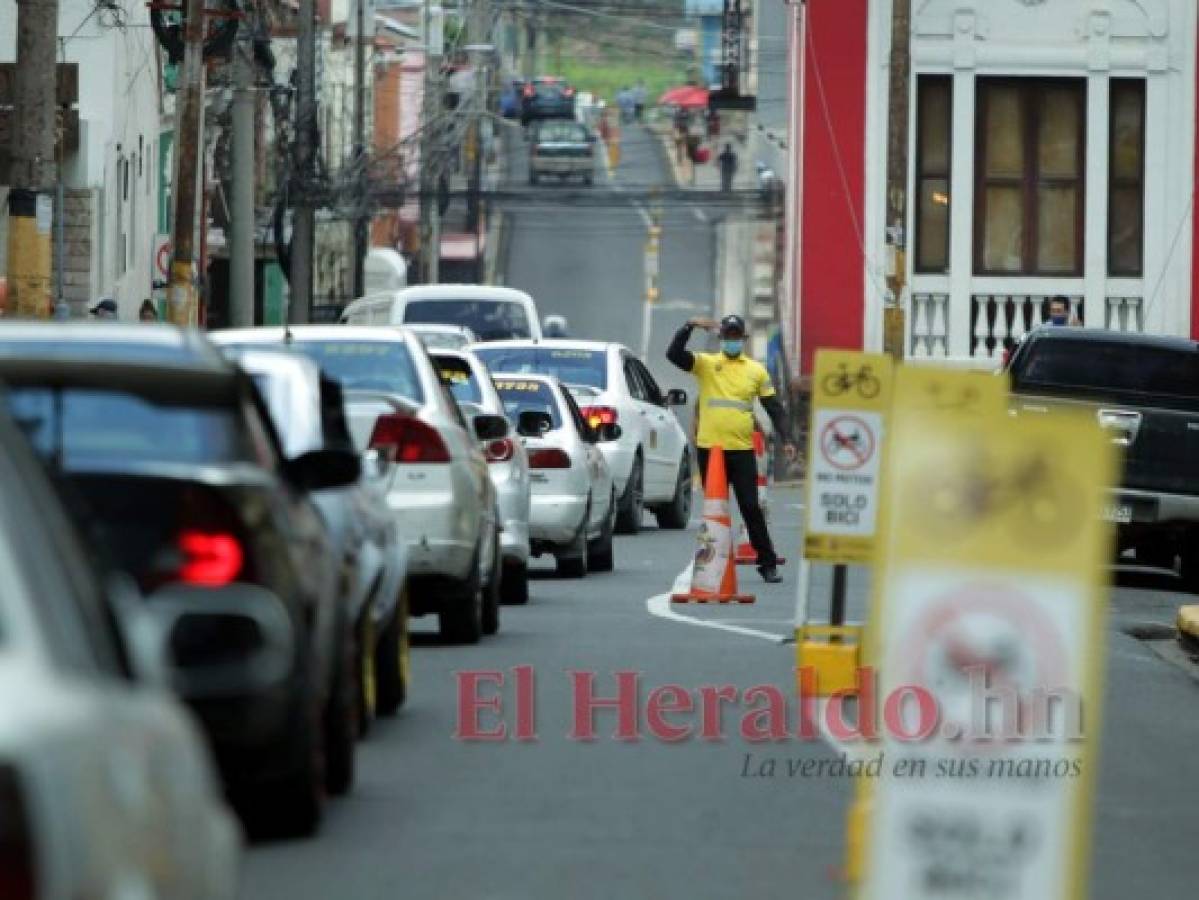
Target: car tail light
18, 853
1007, 358
548, 458
600, 415
209, 559
405, 439
499, 450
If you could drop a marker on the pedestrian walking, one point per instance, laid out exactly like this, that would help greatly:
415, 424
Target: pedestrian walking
728, 167
639, 94
729, 383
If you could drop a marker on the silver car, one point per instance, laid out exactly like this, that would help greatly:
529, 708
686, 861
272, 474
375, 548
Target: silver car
573, 510
470, 383
438, 486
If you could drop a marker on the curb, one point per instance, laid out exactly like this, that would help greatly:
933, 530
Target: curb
497, 265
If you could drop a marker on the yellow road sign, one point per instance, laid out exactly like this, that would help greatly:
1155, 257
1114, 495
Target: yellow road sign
851, 398
988, 583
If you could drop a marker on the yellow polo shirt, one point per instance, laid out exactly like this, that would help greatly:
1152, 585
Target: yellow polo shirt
727, 391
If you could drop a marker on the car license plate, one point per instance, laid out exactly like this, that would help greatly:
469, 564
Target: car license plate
1119, 513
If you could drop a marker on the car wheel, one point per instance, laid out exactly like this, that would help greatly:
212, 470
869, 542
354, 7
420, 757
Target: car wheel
392, 660
599, 551
572, 562
343, 716
461, 619
677, 513
514, 588
632, 503
491, 593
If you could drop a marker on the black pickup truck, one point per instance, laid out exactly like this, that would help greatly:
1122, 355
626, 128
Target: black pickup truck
1145, 391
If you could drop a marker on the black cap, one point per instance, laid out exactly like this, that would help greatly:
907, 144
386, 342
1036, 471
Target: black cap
107, 305
732, 327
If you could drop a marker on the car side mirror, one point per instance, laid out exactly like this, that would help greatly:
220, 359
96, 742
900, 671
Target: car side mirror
202, 641
490, 427
533, 423
676, 397
322, 469
605, 434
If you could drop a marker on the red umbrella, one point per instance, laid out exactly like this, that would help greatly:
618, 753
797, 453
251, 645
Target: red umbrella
688, 96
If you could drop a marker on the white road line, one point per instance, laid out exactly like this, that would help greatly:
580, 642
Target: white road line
661, 607
644, 213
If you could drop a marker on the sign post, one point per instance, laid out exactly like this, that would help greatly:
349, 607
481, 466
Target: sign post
988, 612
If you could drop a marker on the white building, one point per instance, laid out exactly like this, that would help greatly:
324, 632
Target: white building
113, 178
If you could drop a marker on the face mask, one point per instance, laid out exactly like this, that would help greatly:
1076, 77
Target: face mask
732, 347
1058, 320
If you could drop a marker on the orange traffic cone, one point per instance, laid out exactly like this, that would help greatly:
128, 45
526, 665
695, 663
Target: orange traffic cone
746, 555
714, 574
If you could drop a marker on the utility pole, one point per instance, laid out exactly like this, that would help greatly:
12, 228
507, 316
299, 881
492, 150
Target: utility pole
479, 37
303, 230
430, 161
189, 139
361, 218
241, 240
894, 327
33, 133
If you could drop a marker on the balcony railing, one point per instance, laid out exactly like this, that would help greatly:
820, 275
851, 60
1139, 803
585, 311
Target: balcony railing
998, 321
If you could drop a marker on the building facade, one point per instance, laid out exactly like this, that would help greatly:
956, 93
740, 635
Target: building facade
1051, 152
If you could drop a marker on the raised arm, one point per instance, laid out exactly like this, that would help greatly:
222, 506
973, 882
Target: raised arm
677, 352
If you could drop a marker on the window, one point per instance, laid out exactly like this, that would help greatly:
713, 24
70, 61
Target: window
653, 393
587, 368
934, 113
636, 389
1030, 162
1126, 179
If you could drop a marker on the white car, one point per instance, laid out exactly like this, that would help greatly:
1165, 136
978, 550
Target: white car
470, 383
573, 511
438, 484
651, 460
444, 337
107, 788
493, 313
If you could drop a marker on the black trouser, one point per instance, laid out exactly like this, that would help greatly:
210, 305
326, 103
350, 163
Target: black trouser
742, 470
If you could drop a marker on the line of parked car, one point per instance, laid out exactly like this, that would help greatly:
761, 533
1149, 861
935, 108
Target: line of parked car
246, 520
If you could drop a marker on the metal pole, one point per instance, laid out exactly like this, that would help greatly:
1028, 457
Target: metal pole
430, 213
361, 219
897, 175
32, 140
189, 139
241, 242
303, 234
840, 584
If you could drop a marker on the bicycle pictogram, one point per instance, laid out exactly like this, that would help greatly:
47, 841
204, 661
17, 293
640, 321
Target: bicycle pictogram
864, 381
1034, 498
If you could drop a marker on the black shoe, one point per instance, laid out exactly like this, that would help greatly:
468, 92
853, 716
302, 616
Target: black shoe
770, 574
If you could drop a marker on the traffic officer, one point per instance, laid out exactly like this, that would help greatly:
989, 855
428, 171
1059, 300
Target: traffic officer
729, 382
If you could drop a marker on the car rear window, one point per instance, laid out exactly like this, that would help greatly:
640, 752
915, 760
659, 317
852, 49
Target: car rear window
582, 367
89, 430
367, 365
1166, 375
563, 132
519, 395
457, 376
490, 320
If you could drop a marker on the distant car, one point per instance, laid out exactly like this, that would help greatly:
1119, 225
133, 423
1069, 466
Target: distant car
651, 460
178, 477
573, 511
438, 485
562, 149
492, 313
444, 337
471, 384
546, 98
106, 784
309, 414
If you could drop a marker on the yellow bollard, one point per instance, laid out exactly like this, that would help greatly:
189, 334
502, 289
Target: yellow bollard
833, 652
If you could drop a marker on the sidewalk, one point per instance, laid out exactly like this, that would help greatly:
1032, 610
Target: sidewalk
705, 176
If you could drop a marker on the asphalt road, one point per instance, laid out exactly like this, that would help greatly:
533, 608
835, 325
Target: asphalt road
433, 816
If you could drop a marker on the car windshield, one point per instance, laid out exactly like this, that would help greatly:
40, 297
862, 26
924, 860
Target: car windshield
457, 376
521, 396
367, 365
1167, 374
561, 132
490, 320
83, 429
583, 367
